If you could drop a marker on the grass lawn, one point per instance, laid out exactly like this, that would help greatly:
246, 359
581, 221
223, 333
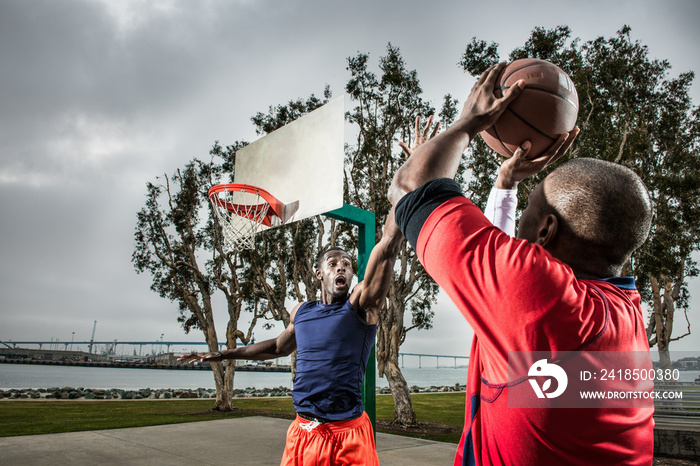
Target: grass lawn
440, 415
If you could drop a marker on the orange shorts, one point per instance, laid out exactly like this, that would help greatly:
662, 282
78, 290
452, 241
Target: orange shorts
334, 443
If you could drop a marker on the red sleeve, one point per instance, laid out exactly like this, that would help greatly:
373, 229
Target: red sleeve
514, 294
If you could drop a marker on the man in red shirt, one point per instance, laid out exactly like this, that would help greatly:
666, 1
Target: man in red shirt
555, 288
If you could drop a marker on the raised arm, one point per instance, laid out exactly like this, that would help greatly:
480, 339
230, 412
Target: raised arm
369, 295
273, 348
439, 157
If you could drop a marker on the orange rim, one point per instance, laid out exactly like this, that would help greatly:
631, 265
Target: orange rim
245, 210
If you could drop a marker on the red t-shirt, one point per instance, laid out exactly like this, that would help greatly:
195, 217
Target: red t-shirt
517, 297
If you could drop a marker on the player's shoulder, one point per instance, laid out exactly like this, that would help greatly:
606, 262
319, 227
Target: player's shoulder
296, 308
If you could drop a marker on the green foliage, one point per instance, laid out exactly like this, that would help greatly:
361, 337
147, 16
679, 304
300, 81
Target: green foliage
175, 227
479, 56
278, 116
632, 113
386, 106
552, 45
385, 111
168, 235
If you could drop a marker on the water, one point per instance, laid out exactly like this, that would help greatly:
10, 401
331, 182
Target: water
31, 376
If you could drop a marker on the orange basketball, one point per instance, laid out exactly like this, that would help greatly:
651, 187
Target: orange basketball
546, 108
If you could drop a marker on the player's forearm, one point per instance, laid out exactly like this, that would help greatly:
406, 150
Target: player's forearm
380, 269
500, 209
267, 349
377, 286
384, 253
391, 237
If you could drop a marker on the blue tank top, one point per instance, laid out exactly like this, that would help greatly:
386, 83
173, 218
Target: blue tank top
333, 345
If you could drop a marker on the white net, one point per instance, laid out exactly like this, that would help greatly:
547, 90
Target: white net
239, 227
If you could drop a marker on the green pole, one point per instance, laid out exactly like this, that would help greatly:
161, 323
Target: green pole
365, 221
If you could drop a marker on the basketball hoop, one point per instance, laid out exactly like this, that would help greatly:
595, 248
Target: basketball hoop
242, 210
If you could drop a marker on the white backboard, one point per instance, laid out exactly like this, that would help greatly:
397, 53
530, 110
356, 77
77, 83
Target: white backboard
302, 161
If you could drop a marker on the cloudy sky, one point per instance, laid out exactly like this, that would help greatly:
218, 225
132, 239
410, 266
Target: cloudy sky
99, 97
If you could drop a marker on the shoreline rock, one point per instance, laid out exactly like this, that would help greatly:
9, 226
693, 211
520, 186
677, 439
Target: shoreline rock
80, 393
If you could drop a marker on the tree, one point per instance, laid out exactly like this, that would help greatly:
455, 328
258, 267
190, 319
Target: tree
281, 268
385, 111
170, 238
386, 108
632, 113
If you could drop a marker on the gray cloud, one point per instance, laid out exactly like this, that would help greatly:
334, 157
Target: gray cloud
99, 97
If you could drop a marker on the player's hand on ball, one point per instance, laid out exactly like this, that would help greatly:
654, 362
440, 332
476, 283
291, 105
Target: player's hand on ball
515, 169
482, 108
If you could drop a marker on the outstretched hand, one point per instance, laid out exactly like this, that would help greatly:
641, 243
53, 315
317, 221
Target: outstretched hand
518, 167
422, 135
200, 357
482, 108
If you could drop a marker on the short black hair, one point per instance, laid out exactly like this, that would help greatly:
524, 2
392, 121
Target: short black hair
323, 253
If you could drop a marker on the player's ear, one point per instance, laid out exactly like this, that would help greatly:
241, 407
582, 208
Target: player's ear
319, 275
547, 230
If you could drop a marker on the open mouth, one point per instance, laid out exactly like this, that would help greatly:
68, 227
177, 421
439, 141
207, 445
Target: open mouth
340, 281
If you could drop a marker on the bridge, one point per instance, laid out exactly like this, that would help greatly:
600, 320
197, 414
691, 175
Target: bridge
112, 344
463, 359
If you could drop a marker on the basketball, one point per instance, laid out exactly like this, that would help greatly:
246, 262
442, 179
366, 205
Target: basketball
546, 108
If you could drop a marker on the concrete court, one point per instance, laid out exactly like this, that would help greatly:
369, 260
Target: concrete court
244, 441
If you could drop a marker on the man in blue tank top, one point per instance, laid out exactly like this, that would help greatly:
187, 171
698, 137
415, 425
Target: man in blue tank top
333, 338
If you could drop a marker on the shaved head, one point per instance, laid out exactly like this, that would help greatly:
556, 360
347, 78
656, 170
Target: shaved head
602, 205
